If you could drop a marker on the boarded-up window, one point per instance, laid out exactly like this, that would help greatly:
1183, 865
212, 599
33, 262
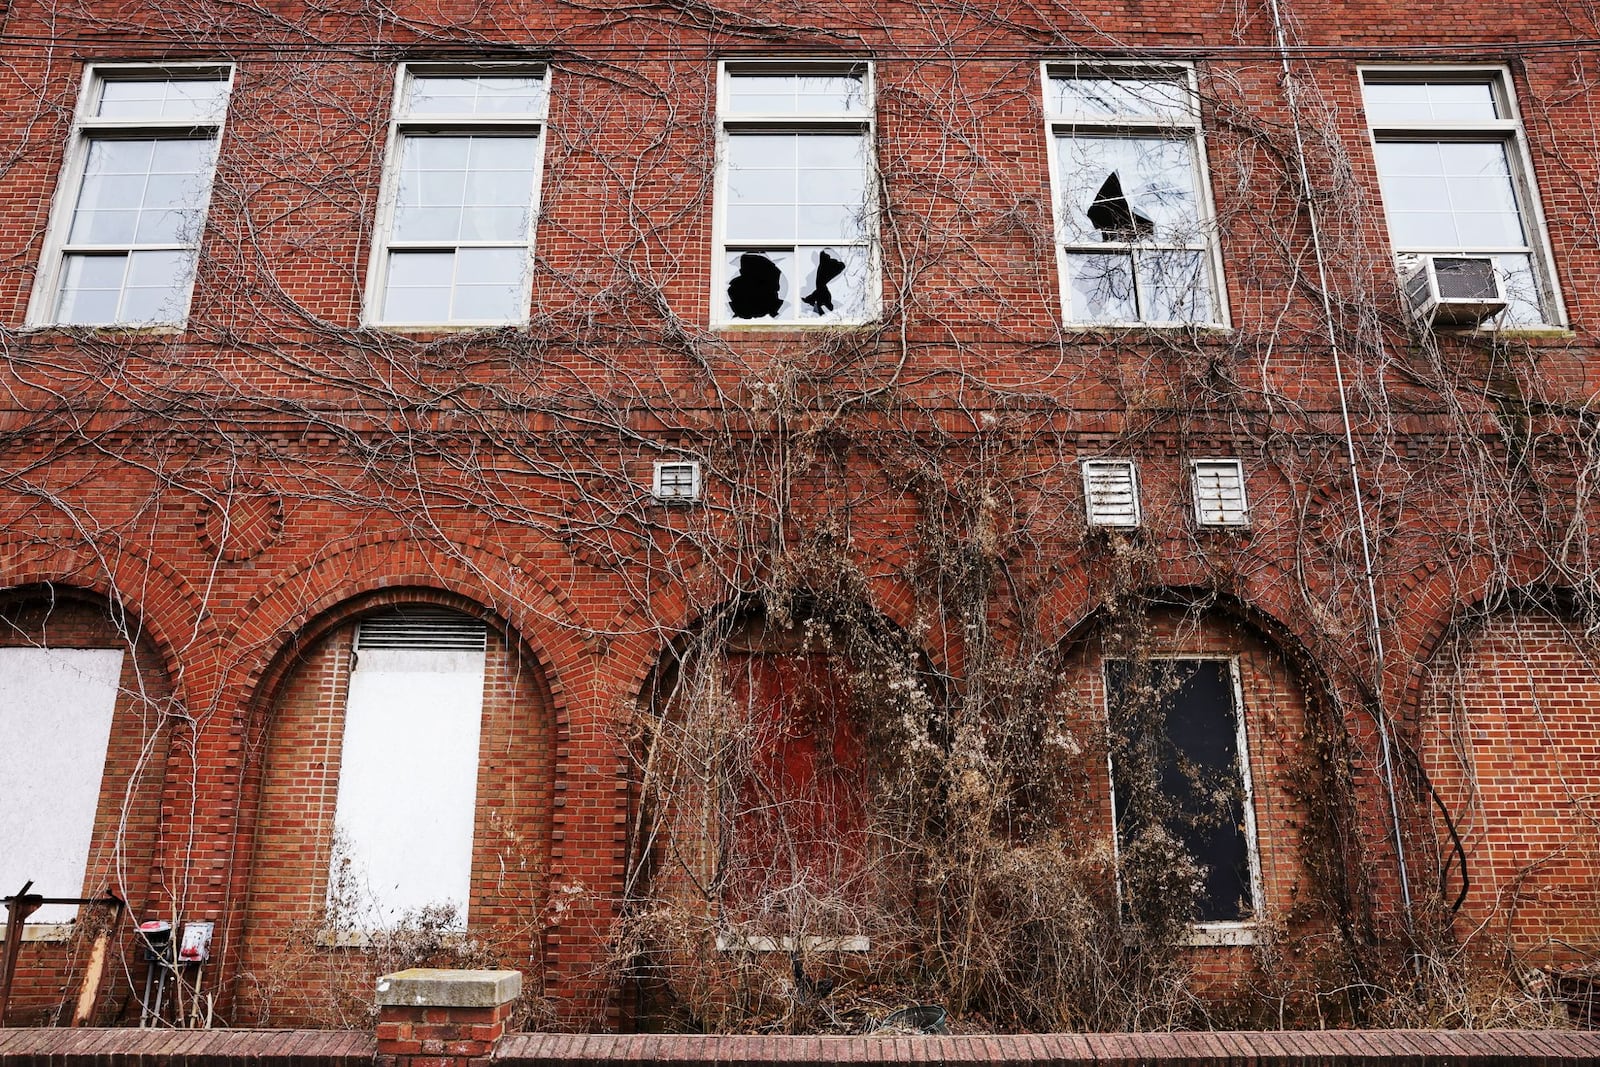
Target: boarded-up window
408, 770
1181, 734
795, 817
56, 706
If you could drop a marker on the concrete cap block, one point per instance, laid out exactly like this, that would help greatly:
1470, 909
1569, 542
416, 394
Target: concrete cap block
433, 987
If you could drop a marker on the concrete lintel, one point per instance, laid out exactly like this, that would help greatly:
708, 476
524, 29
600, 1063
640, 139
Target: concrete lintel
432, 987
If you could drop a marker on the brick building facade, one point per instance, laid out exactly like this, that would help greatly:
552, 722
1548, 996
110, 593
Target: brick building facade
958, 495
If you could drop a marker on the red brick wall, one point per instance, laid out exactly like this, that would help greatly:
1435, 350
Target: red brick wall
1512, 744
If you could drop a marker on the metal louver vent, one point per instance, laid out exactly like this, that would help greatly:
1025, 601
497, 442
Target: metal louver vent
1219, 493
1470, 278
1111, 492
422, 628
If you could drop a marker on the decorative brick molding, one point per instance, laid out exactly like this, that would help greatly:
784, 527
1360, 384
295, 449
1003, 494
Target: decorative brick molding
437, 1018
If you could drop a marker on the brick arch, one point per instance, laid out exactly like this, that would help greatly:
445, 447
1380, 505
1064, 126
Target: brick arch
170, 612
640, 647
1439, 596
298, 706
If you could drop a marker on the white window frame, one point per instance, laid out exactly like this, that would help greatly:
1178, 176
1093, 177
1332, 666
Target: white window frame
1188, 127
1506, 130
729, 124
1200, 518
402, 126
44, 303
1137, 517
1212, 932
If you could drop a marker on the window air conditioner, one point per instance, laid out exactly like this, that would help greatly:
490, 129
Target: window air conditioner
1453, 290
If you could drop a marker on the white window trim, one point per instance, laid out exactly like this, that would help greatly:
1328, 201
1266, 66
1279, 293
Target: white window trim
1509, 130
1057, 122
42, 310
1194, 493
872, 298
1088, 494
1207, 932
399, 125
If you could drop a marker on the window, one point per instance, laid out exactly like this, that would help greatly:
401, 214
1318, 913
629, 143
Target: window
1180, 774
126, 230
1219, 498
56, 706
677, 482
1136, 243
1111, 492
455, 246
408, 769
796, 228
1455, 178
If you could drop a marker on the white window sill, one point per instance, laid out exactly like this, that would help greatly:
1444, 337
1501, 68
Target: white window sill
42, 932
741, 326
1216, 328
762, 943
161, 329
1206, 935
445, 327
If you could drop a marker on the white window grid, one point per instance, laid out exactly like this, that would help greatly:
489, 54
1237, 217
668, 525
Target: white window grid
165, 121
805, 117
1121, 105
1213, 932
406, 125
676, 482
1219, 492
1111, 493
1526, 272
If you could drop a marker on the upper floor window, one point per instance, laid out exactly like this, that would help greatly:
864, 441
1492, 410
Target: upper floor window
126, 229
796, 231
1456, 180
455, 243
1135, 236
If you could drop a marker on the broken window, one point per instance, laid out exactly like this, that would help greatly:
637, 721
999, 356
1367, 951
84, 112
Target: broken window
1180, 775
456, 244
796, 219
56, 706
138, 178
1455, 181
408, 769
1136, 238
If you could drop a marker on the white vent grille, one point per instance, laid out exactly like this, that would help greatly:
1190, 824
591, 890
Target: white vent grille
422, 628
677, 482
1111, 492
1219, 498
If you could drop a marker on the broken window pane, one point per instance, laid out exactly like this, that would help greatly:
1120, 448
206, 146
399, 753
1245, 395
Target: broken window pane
758, 286
1120, 189
834, 282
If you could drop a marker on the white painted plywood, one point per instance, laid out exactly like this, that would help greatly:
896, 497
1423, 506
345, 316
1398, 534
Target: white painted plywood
408, 778
55, 723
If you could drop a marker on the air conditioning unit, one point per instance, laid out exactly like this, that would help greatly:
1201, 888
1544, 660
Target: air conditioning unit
1453, 290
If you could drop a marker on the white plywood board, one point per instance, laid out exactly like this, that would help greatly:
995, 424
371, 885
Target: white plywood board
56, 706
408, 779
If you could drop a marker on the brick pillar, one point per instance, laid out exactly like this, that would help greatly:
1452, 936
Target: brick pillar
438, 1018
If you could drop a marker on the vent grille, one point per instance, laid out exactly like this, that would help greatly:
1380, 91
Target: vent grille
1219, 498
677, 482
1111, 492
422, 629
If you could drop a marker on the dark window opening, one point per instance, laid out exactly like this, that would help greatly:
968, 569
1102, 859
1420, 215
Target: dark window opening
1176, 727
1114, 216
755, 292
820, 298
